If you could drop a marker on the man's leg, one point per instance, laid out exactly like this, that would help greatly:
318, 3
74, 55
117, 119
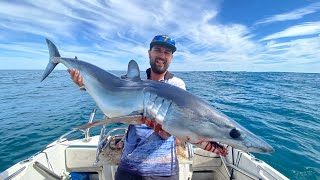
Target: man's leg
174, 177
123, 175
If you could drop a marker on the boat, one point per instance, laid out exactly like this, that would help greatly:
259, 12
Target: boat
96, 157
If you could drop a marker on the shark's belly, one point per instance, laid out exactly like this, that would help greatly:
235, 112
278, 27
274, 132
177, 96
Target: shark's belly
120, 103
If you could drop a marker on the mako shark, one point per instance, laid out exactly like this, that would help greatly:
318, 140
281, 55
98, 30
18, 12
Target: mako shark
128, 99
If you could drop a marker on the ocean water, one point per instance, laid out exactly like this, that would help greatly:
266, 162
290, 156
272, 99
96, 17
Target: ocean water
282, 108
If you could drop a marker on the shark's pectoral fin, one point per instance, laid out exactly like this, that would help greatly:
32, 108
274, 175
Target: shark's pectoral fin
130, 119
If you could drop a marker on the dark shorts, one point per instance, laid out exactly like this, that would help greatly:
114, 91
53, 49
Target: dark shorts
123, 175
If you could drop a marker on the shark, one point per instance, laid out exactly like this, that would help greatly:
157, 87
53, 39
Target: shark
129, 99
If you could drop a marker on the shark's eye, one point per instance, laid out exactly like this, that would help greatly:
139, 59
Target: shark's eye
234, 133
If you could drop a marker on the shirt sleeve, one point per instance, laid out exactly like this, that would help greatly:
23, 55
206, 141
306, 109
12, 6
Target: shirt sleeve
177, 82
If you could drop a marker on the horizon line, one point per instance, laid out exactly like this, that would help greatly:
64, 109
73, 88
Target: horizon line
180, 71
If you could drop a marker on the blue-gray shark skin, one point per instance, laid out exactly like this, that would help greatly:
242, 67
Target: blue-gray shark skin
179, 112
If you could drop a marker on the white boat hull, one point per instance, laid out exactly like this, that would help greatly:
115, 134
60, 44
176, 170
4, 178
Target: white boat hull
80, 156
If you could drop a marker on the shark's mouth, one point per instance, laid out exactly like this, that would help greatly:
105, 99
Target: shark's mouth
212, 146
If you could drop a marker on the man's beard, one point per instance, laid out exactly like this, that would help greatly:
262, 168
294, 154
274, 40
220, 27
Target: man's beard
157, 69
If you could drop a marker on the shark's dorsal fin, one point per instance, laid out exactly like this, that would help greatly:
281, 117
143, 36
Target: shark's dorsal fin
133, 71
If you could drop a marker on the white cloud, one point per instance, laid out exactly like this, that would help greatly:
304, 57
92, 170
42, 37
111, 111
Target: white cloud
299, 55
110, 33
295, 14
309, 28
30, 19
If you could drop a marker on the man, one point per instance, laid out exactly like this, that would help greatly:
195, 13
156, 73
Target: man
149, 152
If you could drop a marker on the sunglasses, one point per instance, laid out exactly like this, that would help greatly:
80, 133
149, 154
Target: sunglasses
164, 38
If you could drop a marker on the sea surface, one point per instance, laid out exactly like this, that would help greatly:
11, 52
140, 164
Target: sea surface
282, 108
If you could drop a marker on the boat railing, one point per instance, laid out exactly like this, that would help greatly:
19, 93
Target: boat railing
86, 132
105, 139
190, 150
244, 172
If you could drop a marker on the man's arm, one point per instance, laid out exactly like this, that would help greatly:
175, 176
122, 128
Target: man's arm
157, 128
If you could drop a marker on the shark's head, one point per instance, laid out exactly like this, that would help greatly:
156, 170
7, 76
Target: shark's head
222, 129
241, 138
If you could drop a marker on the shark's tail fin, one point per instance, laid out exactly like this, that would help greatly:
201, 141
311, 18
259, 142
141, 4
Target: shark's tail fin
53, 52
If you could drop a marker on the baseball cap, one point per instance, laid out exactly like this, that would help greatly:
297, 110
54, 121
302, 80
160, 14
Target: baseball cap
164, 40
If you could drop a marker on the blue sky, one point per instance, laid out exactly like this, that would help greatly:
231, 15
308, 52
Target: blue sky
231, 35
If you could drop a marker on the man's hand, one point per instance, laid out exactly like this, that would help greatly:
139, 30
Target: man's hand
157, 128
76, 77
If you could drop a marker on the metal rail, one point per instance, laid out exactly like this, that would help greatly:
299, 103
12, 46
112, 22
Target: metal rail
47, 171
15, 173
190, 150
86, 133
243, 172
105, 139
225, 165
261, 169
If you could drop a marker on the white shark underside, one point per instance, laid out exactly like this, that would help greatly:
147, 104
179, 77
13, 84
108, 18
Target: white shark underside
179, 112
